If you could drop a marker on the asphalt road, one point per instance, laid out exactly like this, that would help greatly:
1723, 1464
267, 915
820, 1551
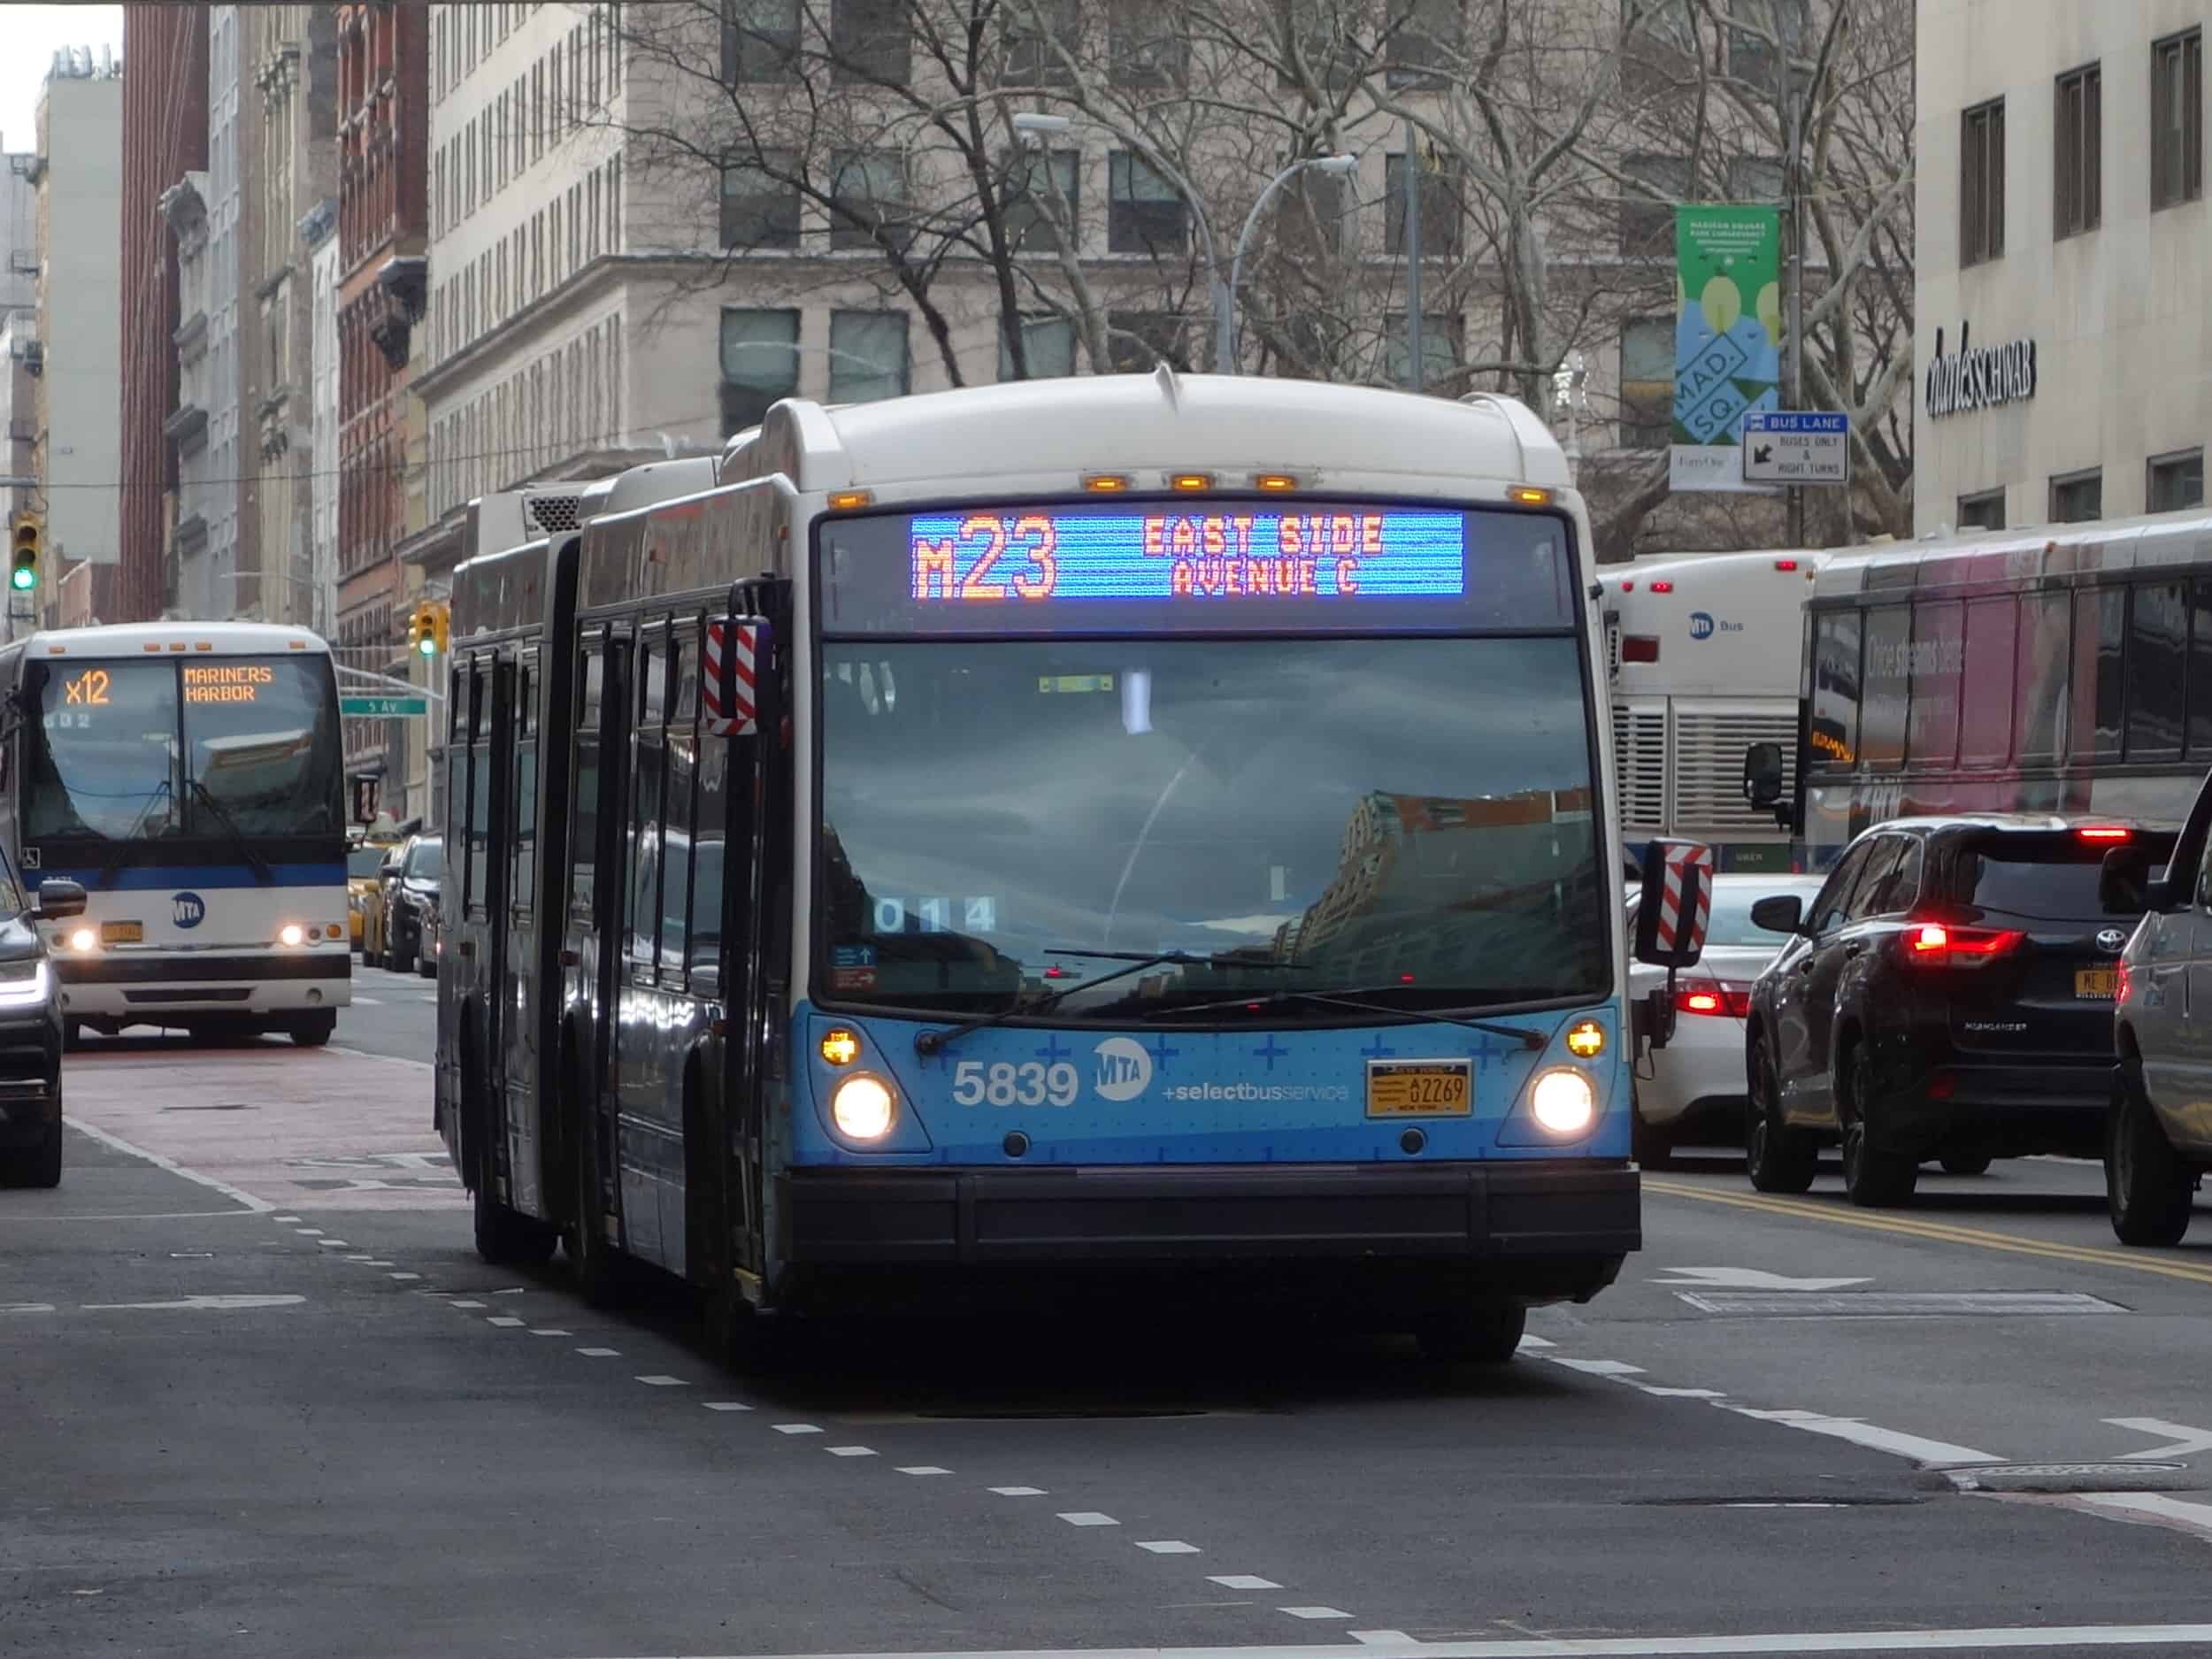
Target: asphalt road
257, 1396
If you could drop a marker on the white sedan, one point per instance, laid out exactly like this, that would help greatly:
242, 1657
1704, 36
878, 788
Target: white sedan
1696, 1083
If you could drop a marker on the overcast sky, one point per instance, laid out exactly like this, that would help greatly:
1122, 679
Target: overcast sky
28, 36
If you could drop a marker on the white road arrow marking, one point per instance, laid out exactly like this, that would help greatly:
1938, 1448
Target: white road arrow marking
221, 1304
2186, 1441
1750, 1278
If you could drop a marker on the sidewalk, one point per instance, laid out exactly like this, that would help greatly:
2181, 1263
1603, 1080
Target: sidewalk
295, 1128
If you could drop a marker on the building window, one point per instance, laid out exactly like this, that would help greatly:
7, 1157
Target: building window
1440, 351
1648, 220
2177, 119
1439, 207
1982, 511
1145, 44
1320, 41
1982, 182
869, 42
760, 42
1139, 342
2078, 498
2077, 156
1426, 38
868, 196
867, 356
1041, 40
1029, 189
2174, 481
1048, 342
760, 202
1646, 382
760, 364
1145, 213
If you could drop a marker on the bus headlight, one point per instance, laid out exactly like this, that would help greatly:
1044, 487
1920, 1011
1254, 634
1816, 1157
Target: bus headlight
1563, 1101
291, 933
83, 939
862, 1107
22, 983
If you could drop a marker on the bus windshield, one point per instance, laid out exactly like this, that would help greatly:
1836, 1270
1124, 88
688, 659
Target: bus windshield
220, 747
1408, 819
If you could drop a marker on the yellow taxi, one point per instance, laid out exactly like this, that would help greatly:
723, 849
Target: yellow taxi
364, 891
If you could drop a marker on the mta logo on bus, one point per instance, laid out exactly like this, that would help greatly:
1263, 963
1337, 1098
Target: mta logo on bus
187, 910
1704, 625
1123, 1068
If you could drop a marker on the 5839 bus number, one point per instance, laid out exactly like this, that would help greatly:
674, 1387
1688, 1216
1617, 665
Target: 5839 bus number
1005, 1084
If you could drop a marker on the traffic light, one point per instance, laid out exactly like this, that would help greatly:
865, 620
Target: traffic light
440, 629
25, 540
419, 630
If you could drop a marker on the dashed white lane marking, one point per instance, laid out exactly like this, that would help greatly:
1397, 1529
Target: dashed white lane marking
658, 1380
464, 1303
1680, 1394
1088, 1517
1019, 1492
596, 1352
236, 1194
284, 1217
27, 1307
1314, 1612
924, 1469
360, 1001
1241, 1581
376, 1262
335, 1244
1171, 1546
364, 1258
850, 1451
1870, 1434
503, 1319
549, 1331
1599, 1367
309, 1233
1377, 1638
725, 1405
217, 1304
409, 1277
796, 1428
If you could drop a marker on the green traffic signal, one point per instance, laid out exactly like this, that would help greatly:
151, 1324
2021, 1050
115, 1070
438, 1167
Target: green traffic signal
427, 645
25, 578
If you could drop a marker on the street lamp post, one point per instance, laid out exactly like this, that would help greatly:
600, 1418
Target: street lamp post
1338, 165
1037, 125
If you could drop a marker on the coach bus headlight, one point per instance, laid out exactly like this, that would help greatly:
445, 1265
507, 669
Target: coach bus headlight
1563, 1101
864, 1108
291, 933
22, 983
83, 939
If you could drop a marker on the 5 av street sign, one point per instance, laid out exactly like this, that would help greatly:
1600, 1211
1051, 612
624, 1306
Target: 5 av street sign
1796, 449
381, 707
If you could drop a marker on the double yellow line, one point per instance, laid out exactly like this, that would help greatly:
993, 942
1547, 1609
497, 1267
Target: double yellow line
1936, 1232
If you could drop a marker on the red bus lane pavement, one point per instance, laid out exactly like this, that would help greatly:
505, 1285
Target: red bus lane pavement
274, 1126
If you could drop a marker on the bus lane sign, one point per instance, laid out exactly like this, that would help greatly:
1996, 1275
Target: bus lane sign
1800, 447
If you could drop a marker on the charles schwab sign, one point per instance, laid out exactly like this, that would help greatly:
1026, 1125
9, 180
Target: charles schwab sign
1980, 377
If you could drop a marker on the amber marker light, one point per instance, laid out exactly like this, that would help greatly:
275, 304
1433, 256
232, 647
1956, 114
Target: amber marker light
1275, 483
1586, 1039
839, 1047
1191, 481
1107, 483
1529, 496
849, 500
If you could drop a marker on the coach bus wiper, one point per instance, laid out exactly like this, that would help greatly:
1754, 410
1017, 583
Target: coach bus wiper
1524, 1035
260, 865
118, 849
928, 1043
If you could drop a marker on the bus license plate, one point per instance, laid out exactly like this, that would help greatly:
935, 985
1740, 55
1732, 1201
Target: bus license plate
122, 933
1420, 1088
2099, 982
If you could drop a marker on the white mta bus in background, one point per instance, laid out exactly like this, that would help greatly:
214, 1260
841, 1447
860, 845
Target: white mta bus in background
1704, 651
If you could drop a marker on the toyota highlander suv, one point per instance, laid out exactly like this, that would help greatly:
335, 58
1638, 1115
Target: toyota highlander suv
1947, 995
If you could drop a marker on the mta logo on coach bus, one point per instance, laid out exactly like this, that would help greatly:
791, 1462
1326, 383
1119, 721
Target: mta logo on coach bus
1124, 1068
188, 909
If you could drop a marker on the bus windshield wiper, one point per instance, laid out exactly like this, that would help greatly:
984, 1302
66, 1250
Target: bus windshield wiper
928, 1043
1527, 1037
260, 865
118, 849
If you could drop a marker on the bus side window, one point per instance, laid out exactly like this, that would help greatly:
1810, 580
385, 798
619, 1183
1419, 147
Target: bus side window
583, 844
710, 829
683, 768
646, 768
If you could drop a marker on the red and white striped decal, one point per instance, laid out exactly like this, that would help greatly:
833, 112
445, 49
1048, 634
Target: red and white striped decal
737, 643
1678, 859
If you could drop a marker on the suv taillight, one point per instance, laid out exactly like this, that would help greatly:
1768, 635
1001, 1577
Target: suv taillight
1714, 997
1944, 945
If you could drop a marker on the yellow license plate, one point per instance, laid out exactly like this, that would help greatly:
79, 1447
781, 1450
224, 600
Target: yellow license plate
1420, 1088
2104, 982
122, 933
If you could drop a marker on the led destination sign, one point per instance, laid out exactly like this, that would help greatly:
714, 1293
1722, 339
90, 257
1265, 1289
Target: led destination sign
1100, 567
986, 558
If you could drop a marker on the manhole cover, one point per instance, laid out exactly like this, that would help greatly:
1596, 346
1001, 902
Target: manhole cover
2122, 1477
1890, 1304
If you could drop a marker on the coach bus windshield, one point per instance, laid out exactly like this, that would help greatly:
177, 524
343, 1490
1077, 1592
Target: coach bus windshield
1408, 817
220, 747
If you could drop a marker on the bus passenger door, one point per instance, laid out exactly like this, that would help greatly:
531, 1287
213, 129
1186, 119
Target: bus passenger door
607, 908
520, 993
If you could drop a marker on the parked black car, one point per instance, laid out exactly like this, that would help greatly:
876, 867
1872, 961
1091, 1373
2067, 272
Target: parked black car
1948, 996
31, 1032
422, 869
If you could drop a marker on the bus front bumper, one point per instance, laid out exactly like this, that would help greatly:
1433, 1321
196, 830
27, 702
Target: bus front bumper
143, 989
1546, 1231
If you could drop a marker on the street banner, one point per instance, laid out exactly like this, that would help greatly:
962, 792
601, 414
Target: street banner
1727, 339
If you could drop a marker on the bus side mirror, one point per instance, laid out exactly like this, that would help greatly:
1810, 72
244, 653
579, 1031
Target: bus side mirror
729, 688
59, 899
1676, 900
1762, 774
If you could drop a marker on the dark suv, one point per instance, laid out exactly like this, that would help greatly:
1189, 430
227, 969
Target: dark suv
1948, 996
408, 902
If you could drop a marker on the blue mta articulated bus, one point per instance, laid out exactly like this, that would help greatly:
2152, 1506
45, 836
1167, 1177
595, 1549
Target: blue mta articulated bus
1168, 824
